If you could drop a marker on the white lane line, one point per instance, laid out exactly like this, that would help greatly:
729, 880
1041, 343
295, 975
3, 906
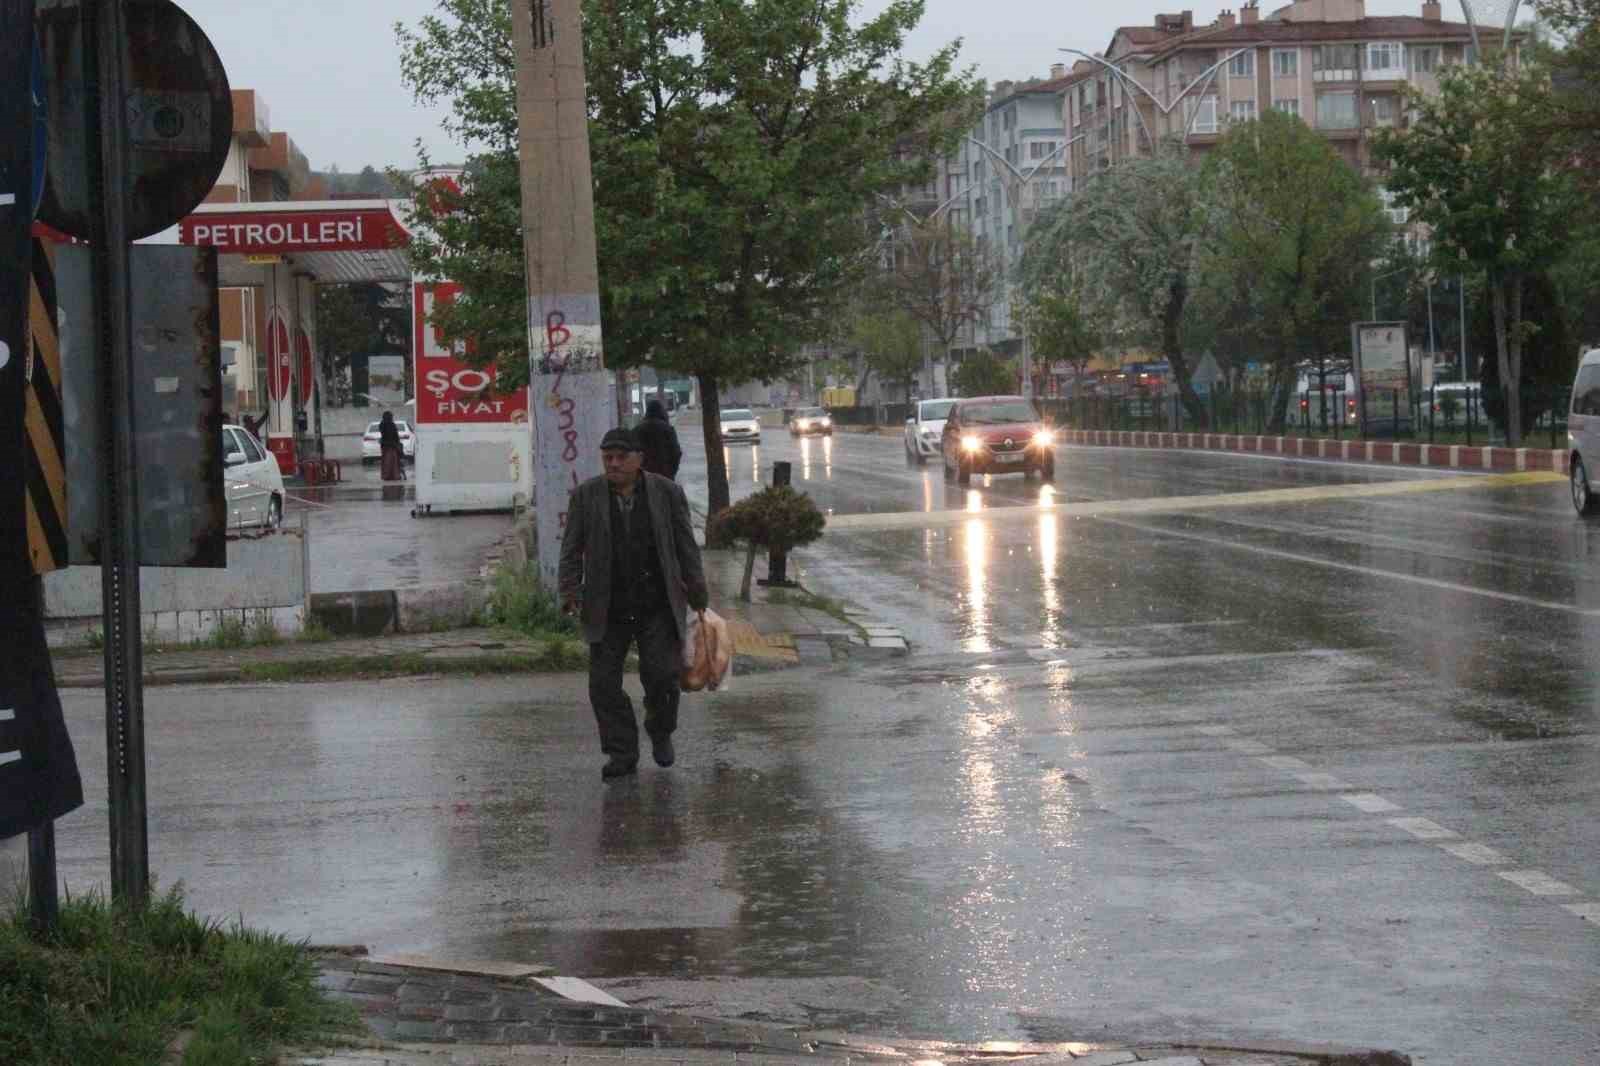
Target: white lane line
1369, 802
1477, 854
1538, 882
1285, 762
1589, 912
1216, 730
1368, 571
579, 990
1317, 779
7, 199
1249, 747
10, 757
1423, 829
8, 714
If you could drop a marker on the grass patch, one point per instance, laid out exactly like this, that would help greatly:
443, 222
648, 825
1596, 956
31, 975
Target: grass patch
555, 657
811, 601
113, 987
518, 601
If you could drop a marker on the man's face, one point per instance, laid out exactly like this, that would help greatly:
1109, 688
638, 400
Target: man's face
622, 467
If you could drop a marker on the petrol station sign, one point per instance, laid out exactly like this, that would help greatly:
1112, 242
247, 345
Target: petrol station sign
258, 233
450, 389
280, 372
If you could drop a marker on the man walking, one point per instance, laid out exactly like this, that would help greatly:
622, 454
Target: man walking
630, 570
659, 441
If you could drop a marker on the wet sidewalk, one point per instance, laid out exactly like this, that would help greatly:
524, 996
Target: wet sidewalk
778, 629
420, 1013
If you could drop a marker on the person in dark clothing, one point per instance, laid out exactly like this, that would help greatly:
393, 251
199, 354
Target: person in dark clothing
393, 455
630, 570
659, 441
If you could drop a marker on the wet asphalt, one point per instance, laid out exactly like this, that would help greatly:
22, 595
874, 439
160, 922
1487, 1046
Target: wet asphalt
1319, 767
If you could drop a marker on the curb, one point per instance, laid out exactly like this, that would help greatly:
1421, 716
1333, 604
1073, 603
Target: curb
1394, 453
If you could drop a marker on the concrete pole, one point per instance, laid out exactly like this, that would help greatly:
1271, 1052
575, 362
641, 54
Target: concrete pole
569, 390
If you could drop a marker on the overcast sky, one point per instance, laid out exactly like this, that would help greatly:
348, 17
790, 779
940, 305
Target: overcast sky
328, 71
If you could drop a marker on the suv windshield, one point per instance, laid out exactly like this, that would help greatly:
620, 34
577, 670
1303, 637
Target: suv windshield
995, 414
934, 410
738, 414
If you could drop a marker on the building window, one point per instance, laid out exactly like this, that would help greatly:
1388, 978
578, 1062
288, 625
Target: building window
1337, 111
1202, 114
1336, 62
1242, 65
1386, 60
1425, 59
1385, 109
1285, 63
1242, 110
1398, 215
1288, 105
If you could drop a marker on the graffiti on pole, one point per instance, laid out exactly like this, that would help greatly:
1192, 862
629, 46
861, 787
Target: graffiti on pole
569, 386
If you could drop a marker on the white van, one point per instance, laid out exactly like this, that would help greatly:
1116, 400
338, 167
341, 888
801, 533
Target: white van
1583, 433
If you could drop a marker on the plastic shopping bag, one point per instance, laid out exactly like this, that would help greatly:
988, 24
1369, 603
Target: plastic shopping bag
707, 652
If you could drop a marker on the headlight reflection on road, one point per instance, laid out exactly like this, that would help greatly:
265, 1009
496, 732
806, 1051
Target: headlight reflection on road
805, 458
755, 464
1049, 534
974, 501
827, 458
927, 492
977, 621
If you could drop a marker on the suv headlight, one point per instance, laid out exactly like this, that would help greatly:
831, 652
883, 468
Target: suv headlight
971, 444
1043, 439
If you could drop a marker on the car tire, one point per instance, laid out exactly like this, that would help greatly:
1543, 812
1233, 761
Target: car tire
1583, 501
274, 517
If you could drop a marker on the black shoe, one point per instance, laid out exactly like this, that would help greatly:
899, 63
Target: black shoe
661, 748
618, 768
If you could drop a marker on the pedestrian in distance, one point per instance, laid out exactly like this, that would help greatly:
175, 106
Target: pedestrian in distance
630, 571
659, 440
393, 463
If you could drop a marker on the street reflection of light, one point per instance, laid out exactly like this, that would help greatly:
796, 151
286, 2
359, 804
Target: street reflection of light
827, 458
805, 458
977, 622
929, 539
1049, 534
1047, 496
927, 492
755, 463
974, 501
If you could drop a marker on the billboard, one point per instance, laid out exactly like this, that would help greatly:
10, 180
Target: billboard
449, 389
1383, 377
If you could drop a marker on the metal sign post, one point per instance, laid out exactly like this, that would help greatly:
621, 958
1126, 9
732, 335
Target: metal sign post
570, 392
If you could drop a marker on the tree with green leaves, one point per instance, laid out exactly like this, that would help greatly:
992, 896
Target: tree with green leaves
1549, 356
1574, 114
891, 342
939, 274
354, 322
983, 373
736, 146
1061, 330
1479, 168
1294, 231
1130, 238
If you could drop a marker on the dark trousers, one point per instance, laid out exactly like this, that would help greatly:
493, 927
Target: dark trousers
660, 663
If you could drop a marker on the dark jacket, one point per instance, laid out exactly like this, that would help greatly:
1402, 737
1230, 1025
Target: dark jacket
662, 453
586, 552
388, 434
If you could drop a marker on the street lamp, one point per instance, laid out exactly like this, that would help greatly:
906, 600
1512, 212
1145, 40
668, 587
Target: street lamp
927, 354
1203, 82
1375, 281
1486, 12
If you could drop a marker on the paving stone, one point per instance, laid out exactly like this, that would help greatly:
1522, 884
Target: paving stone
471, 1012
1180, 1060
375, 985
481, 1032
430, 1032
419, 1012
1105, 1058
469, 995
334, 982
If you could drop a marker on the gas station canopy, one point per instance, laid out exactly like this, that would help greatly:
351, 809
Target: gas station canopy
333, 241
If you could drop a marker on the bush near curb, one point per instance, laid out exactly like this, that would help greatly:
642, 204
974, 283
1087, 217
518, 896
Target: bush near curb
777, 518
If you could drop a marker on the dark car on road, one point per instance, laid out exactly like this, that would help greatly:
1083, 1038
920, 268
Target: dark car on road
997, 435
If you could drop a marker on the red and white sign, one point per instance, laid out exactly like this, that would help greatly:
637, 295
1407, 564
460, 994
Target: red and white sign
279, 371
280, 232
449, 389
302, 349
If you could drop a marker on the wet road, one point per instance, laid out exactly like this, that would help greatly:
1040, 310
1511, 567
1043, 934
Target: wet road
364, 539
1313, 756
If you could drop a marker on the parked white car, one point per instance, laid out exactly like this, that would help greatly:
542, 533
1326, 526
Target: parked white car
925, 429
252, 481
372, 442
740, 425
1583, 434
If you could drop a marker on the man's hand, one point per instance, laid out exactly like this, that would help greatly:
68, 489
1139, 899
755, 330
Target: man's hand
569, 606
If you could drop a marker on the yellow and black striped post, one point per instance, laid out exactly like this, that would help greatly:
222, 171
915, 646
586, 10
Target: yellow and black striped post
44, 460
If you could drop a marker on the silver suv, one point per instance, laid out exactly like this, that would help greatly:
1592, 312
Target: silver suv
1583, 433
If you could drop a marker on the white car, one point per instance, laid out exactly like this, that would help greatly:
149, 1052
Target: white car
250, 476
372, 442
1583, 434
925, 429
739, 424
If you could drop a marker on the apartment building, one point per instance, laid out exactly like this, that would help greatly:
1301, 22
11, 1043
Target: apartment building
1341, 71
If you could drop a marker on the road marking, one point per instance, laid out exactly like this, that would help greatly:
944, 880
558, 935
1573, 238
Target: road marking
1285, 762
1370, 571
1370, 802
1589, 912
1423, 829
8, 714
10, 757
579, 991
1317, 779
7, 199
1538, 882
1249, 747
1216, 730
1178, 504
1477, 854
